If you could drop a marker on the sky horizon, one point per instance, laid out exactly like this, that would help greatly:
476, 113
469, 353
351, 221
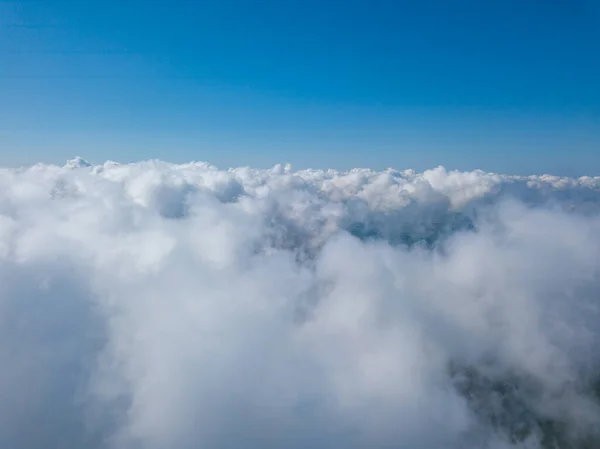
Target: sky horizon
502, 86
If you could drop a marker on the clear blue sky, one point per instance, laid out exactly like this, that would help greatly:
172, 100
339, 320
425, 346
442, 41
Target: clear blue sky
510, 85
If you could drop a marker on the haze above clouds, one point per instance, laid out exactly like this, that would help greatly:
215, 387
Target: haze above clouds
162, 306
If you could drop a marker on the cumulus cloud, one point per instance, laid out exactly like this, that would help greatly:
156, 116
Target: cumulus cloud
157, 306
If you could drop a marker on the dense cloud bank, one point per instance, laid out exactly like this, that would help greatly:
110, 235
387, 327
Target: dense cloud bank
159, 306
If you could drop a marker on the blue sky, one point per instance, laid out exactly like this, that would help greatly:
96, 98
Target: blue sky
510, 86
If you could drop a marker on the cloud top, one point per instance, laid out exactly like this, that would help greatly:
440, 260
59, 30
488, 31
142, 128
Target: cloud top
154, 305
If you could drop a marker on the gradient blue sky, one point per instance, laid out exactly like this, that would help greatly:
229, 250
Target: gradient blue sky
509, 86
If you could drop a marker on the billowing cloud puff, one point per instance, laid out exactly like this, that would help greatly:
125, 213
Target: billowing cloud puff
159, 306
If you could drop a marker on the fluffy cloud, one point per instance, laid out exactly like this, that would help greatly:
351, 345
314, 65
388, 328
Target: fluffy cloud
151, 306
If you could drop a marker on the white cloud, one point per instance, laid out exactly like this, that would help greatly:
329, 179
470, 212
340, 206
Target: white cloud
154, 305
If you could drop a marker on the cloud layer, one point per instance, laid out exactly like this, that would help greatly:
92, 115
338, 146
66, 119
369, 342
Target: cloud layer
158, 306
